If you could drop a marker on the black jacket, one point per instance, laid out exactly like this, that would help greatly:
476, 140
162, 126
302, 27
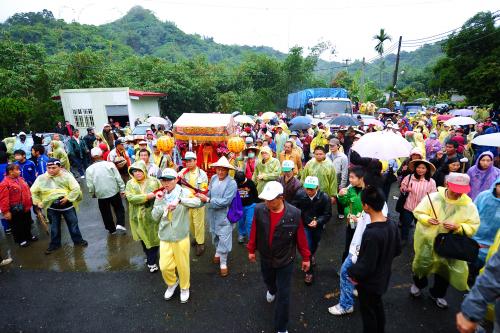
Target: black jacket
379, 246
319, 208
284, 244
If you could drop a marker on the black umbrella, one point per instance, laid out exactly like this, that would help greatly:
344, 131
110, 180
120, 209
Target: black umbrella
344, 121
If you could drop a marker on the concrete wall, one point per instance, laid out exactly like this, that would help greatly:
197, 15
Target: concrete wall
97, 99
143, 108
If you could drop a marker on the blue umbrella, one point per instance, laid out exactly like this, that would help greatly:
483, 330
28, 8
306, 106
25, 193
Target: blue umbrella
384, 110
344, 121
299, 123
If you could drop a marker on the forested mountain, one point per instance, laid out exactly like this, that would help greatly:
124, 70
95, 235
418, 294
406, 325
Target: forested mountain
140, 32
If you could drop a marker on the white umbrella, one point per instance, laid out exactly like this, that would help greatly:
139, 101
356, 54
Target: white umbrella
244, 119
382, 145
460, 121
492, 140
269, 115
159, 121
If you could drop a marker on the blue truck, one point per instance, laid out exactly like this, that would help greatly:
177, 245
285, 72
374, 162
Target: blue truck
321, 104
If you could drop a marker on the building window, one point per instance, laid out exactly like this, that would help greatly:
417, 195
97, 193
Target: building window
83, 117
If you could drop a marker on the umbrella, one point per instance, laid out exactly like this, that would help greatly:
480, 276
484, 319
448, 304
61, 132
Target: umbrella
344, 121
300, 123
463, 112
269, 115
382, 145
384, 110
444, 117
244, 119
460, 121
491, 140
159, 121
372, 121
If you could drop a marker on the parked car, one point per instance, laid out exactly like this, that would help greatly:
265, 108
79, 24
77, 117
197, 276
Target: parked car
139, 132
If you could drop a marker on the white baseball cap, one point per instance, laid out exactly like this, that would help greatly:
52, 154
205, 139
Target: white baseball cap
287, 165
248, 139
189, 156
96, 151
168, 173
271, 191
311, 182
458, 182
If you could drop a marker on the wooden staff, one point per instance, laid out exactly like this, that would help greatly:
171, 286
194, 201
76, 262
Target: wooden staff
432, 206
42, 219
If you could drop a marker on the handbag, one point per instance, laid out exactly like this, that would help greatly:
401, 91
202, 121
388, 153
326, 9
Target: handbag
235, 212
402, 198
454, 246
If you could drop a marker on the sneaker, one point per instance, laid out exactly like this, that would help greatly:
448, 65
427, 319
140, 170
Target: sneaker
341, 216
24, 244
415, 291
153, 268
440, 302
355, 292
5, 262
82, 177
241, 239
34, 238
51, 249
337, 310
8, 231
83, 243
269, 297
113, 232
170, 291
121, 228
184, 295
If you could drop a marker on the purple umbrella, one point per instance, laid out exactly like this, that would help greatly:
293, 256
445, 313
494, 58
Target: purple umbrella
462, 112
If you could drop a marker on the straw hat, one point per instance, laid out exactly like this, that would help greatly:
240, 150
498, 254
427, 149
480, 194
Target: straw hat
245, 152
222, 163
412, 164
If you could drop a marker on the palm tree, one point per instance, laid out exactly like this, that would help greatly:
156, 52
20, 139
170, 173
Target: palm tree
381, 38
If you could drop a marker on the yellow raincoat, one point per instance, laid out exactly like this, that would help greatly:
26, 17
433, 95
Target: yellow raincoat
142, 224
59, 153
46, 189
325, 171
270, 170
426, 261
319, 140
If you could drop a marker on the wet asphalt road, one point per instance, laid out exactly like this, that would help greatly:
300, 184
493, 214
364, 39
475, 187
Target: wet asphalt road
106, 287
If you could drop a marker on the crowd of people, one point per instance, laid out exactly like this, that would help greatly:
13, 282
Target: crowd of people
279, 191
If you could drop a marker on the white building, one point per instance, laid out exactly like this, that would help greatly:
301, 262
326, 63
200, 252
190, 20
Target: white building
85, 108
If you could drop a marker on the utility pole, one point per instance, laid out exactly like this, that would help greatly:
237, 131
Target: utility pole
362, 88
395, 77
346, 64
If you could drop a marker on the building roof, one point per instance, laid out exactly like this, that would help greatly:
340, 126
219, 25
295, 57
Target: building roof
140, 93
131, 92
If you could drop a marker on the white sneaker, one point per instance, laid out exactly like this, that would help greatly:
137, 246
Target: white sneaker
170, 291
270, 298
82, 177
440, 302
337, 310
184, 295
120, 227
355, 292
341, 216
5, 262
415, 291
153, 268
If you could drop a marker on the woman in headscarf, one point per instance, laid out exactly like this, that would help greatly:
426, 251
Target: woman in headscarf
140, 195
483, 174
432, 146
221, 192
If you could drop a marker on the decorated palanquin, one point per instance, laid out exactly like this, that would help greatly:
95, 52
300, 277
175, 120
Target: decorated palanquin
206, 134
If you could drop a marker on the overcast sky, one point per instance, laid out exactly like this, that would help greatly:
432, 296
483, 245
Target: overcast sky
281, 24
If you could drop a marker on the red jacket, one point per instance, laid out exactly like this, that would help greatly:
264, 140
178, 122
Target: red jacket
14, 191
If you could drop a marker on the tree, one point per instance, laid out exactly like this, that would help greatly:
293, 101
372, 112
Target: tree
471, 66
381, 38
